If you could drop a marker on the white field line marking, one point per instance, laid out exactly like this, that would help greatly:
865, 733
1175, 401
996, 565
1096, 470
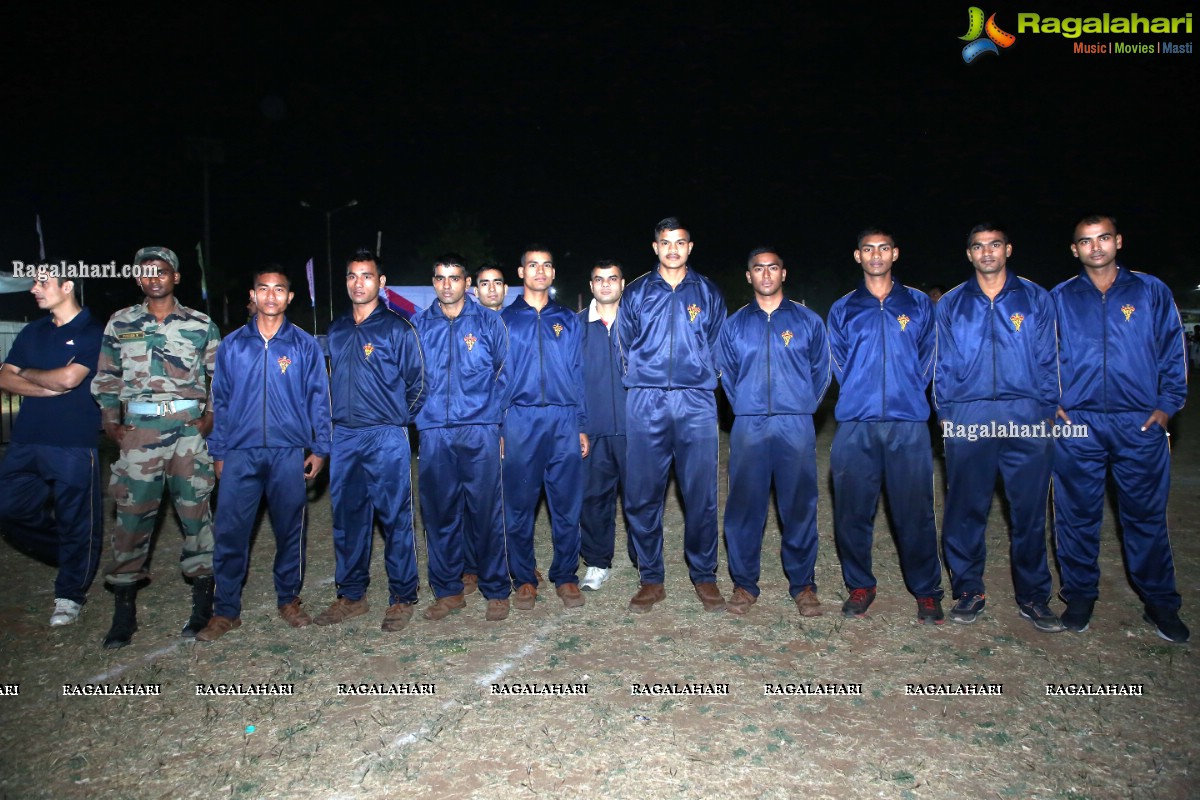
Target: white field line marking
501, 668
162, 651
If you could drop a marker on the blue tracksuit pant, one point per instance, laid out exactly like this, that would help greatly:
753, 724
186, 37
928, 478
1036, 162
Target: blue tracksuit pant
459, 478
1141, 468
897, 455
679, 425
369, 474
72, 536
247, 474
782, 447
604, 477
971, 468
541, 448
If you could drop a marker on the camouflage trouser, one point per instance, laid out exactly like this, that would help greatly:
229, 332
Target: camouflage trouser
157, 448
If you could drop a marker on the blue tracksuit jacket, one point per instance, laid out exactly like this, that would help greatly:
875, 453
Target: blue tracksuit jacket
763, 372
1123, 350
1000, 349
380, 370
546, 366
669, 335
464, 357
604, 388
270, 393
882, 354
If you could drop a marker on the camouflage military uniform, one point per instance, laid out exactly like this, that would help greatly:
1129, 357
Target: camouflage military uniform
144, 361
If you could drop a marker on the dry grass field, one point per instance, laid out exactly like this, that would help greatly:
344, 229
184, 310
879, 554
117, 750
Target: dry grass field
464, 741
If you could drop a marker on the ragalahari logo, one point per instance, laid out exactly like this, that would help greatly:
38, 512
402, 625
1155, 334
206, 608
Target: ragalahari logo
976, 28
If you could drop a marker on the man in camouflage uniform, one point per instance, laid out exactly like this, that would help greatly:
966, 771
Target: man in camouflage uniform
156, 361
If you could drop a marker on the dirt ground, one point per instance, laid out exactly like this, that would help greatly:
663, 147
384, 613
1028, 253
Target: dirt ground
464, 741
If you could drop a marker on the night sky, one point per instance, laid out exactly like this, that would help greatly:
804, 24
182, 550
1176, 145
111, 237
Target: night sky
581, 128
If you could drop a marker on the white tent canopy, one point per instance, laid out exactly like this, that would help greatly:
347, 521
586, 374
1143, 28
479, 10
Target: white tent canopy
10, 284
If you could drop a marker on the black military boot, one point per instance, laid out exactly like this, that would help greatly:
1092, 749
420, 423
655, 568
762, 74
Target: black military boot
124, 618
202, 606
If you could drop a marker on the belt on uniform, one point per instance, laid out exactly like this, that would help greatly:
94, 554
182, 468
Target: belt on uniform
160, 409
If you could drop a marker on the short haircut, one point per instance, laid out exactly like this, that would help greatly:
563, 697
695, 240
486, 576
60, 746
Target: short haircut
535, 247
874, 231
450, 260
984, 227
364, 254
272, 269
758, 251
1095, 219
608, 263
669, 224
76, 289
489, 266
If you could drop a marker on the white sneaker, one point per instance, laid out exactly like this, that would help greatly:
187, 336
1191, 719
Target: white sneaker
65, 612
594, 578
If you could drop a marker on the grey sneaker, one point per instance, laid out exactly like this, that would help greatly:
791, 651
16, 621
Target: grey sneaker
67, 611
968, 608
1042, 617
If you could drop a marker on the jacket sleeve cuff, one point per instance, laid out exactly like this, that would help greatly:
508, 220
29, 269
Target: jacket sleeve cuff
1166, 406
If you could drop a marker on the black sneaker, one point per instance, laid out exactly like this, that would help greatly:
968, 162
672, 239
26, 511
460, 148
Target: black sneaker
929, 611
1078, 615
1167, 624
1041, 616
968, 608
858, 602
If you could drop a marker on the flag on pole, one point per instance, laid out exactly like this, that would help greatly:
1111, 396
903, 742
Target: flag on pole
203, 278
41, 240
312, 286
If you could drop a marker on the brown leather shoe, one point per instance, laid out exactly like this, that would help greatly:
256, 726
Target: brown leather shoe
341, 610
496, 610
217, 627
739, 602
470, 583
526, 597
442, 608
808, 603
570, 594
710, 596
647, 595
397, 617
294, 615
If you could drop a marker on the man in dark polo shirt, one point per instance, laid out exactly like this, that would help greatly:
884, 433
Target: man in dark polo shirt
53, 451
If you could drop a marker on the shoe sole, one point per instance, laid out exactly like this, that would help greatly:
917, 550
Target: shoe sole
1161, 635
924, 621
322, 620
642, 609
1043, 628
963, 620
850, 614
